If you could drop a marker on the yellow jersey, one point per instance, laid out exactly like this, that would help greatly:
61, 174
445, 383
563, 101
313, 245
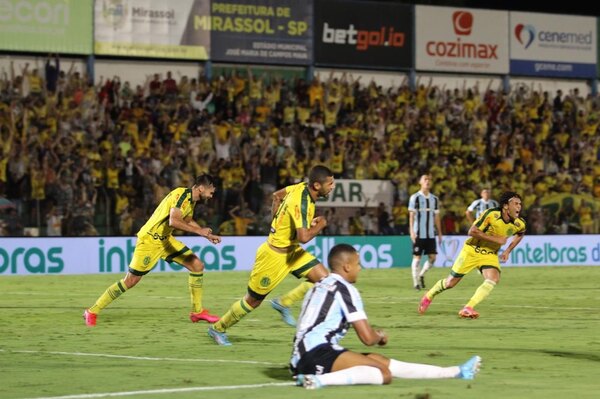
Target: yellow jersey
158, 224
491, 222
295, 211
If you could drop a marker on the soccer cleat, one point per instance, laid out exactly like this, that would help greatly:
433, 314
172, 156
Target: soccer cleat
285, 313
204, 315
470, 368
299, 380
424, 304
468, 313
220, 338
418, 287
422, 280
311, 381
90, 318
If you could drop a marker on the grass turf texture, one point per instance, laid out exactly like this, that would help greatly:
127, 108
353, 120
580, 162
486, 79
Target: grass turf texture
538, 334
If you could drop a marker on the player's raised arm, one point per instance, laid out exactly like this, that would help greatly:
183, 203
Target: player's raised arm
278, 196
469, 216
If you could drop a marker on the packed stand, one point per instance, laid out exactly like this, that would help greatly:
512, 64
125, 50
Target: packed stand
78, 159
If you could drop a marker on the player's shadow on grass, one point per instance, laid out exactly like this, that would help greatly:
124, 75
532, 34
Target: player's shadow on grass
278, 373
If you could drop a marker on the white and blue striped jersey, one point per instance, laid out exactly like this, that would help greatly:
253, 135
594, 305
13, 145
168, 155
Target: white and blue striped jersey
480, 206
328, 309
425, 209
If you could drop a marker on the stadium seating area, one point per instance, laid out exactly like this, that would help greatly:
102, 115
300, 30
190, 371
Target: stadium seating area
78, 159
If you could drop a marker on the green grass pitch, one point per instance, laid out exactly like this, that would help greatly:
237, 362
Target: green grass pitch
538, 335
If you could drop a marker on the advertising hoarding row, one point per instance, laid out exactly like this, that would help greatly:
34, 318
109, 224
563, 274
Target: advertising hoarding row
151, 28
363, 34
552, 45
264, 31
354, 33
93, 255
57, 26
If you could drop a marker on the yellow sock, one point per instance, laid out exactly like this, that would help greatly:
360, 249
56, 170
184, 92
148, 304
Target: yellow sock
236, 312
111, 293
295, 295
436, 289
481, 293
195, 282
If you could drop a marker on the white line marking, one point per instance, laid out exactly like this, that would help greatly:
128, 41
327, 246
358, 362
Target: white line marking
167, 359
168, 390
404, 300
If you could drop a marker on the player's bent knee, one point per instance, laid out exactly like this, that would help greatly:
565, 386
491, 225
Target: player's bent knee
387, 375
131, 280
194, 264
451, 282
253, 300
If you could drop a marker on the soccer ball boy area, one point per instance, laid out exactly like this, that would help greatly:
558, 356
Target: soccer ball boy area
537, 335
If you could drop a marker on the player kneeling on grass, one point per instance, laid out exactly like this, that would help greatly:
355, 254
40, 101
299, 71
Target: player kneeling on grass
328, 309
487, 235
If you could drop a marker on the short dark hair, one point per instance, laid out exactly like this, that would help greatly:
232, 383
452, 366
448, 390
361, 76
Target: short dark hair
319, 174
205, 180
337, 253
507, 196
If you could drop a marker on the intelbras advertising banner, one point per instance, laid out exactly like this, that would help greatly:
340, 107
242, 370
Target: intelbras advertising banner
152, 28
359, 33
461, 40
49, 26
260, 31
93, 255
554, 250
552, 45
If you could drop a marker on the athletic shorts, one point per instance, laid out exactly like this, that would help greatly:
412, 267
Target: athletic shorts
424, 246
271, 267
149, 250
319, 360
471, 257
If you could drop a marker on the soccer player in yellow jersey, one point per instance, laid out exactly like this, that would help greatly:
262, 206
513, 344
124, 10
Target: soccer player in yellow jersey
293, 224
155, 240
489, 232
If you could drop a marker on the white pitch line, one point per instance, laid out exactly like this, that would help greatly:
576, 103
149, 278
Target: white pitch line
168, 390
167, 359
404, 300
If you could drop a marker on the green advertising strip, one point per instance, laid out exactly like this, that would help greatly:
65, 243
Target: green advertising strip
376, 252
63, 26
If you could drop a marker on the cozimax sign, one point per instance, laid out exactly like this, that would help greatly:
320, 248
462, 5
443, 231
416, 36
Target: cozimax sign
461, 40
363, 34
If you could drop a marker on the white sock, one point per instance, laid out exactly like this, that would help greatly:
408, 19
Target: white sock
416, 370
415, 271
426, 266
353, 376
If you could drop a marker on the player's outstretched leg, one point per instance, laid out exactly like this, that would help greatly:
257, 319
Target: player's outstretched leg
220, 338
286, 314
470, 368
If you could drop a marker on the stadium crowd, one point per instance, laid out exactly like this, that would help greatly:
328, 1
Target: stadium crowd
83, 159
